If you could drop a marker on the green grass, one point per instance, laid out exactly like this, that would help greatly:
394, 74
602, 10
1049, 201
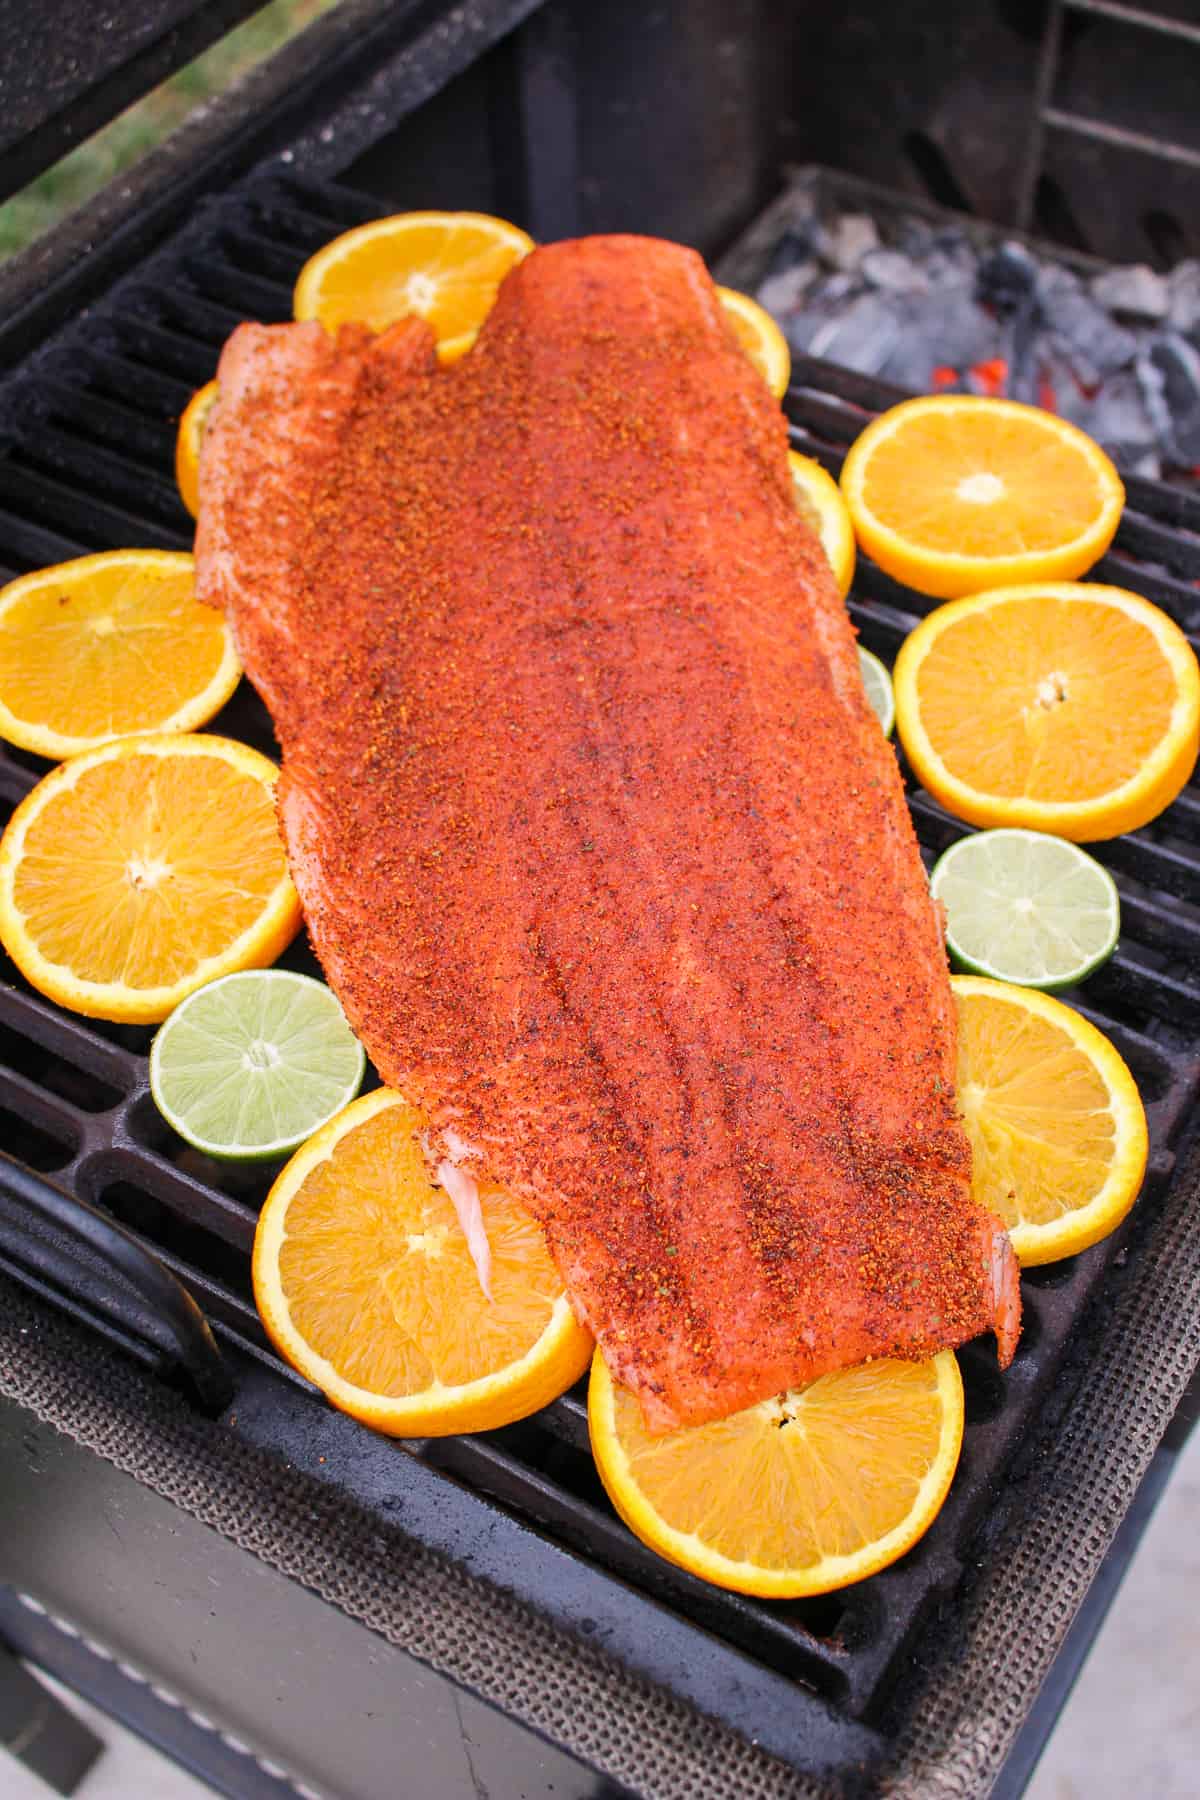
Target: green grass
143, 126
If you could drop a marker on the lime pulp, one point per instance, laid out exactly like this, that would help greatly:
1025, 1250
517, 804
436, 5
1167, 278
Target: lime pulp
878, 684
1026, 907
251, 1065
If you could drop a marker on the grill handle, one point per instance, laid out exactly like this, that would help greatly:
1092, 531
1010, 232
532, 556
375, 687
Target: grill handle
69, 1225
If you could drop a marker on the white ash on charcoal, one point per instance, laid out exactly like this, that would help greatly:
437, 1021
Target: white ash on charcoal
1136, 292
933, 308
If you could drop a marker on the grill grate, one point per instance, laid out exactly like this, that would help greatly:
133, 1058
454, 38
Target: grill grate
87, 466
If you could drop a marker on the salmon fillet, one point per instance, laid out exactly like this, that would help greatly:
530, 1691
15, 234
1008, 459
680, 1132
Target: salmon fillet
597, 838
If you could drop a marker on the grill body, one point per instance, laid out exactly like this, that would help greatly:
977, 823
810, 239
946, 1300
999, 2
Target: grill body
287, 1678
87, 423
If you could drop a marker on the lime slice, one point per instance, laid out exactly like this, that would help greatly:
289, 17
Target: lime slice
251, 1065
1026, 907
878, 684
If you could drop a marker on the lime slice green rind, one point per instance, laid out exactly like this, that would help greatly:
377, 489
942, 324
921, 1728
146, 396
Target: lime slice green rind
250, 1066
878, 684
1025, 907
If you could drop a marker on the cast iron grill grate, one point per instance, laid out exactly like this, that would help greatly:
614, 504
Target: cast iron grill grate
85, 464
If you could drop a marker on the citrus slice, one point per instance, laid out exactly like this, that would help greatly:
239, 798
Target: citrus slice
878, 684
366, 1285
1057, 1127
1070, 708
819, 501
251, 1065
192, 427
1025, 907
446, 266
106, 646
800, 1494
136, 872
952, 493
760, 337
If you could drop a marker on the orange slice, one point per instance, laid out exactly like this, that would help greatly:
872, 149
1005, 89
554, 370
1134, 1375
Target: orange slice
819, 502
137, 872
106, 646
1057, 1127
760, 337
192, 427
366, 1285
446, 266
952, 493
1067, 707
802, 1493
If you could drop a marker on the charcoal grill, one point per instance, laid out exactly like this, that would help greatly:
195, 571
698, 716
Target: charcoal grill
474, 1600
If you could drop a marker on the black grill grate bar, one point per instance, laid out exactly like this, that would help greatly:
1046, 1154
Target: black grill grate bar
883, 627
163, 351
48, 1112
28, 545
327, 201
871, 584
207, 321
1124, 981
102, 471
567, 1418
1169, 929
1156, 865
201, 1205
837, 422
68, 1038
1175, 506
242, 289
162, 396
1178, 598
187, 320
866, 392
304, 231
294, 227
827, 455
104, 526
141, 441
1156, 542
271, 264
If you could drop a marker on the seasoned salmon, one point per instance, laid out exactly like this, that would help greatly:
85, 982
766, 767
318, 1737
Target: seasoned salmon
597, 837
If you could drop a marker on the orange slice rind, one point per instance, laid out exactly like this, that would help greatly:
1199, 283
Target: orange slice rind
192, 426
800, 1494
1057, 1127
819, 502
1066, 707
953, 493
760, 337
134, 873
365, 1283
444, 267
109, 646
